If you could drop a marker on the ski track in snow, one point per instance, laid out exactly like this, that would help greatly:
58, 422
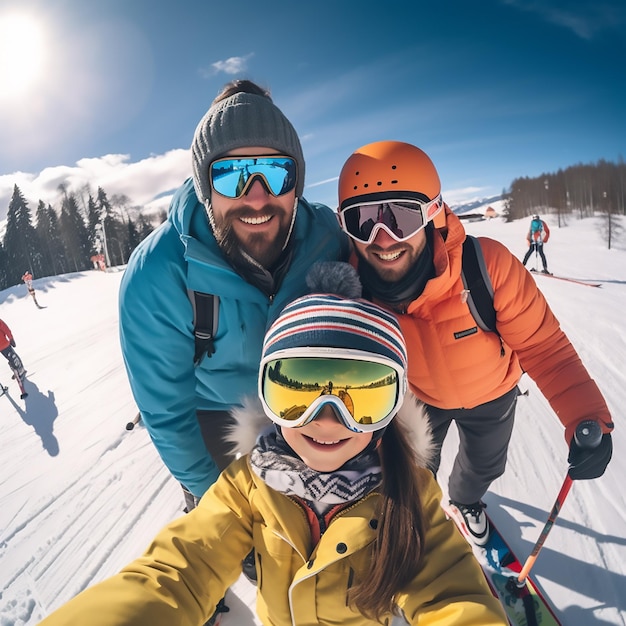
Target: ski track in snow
80, 496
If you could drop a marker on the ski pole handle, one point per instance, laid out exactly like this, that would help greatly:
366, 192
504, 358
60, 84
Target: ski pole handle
588, 435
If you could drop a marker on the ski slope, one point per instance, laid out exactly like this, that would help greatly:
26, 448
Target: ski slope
80, 496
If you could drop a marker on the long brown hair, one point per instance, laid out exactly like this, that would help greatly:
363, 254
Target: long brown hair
398, 548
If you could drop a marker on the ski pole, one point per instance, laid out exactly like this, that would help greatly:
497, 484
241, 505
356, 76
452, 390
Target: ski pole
134, 421
588, 435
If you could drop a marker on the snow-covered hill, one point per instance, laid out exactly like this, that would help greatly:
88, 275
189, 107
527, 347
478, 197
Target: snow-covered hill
478, 206
80, 496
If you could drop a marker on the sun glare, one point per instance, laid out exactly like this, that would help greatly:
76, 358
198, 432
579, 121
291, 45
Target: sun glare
21, 55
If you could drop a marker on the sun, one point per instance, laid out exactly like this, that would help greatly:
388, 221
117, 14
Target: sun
21, 54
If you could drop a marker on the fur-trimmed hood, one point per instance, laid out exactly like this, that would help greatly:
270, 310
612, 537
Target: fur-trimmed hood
250, 421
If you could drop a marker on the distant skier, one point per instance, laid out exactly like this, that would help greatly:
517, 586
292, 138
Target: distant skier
99, 262
28, 281
27, 277
537, 235
7, 343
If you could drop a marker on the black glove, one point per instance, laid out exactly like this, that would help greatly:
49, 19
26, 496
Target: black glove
586, 463
13, 343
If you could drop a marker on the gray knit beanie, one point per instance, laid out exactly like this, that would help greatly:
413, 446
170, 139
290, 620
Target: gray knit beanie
243, 119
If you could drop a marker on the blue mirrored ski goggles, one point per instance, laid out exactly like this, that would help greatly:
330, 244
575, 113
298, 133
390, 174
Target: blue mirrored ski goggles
232, 177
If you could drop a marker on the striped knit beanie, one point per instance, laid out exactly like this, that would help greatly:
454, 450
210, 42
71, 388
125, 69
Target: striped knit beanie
337, 322
239, 121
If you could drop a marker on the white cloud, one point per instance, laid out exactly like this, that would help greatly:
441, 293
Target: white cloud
232, 65
145, 182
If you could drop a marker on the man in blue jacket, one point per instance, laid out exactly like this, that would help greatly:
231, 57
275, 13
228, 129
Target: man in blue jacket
240, 230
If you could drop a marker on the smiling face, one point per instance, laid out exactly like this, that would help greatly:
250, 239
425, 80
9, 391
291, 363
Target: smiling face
325, 444
257, 223
390, 258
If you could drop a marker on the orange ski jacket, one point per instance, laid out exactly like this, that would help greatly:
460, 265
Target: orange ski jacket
455, 364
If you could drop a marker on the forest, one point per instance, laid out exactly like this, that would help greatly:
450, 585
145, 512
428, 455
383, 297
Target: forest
91, 231
573, 193
78, 235
580, 191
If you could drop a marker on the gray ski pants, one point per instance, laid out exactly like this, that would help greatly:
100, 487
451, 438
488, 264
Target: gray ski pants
11, 356
484, 435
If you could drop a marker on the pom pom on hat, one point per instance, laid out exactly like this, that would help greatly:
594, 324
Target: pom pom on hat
334, 320
334, 277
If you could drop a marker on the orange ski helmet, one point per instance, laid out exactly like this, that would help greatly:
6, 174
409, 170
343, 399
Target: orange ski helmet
386, 170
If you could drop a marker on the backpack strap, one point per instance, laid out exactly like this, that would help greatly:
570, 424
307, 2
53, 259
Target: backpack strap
205, 317
478, 285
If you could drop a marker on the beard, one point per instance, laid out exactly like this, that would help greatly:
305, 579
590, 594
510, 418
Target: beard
386, 274
261, 247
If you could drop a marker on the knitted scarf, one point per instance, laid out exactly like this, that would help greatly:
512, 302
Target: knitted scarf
278, 465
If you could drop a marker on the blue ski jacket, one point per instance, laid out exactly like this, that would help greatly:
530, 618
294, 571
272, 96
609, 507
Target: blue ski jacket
156, 325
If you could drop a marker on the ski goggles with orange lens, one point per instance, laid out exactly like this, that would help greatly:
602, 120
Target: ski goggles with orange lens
232, 177
400, 218
366, 391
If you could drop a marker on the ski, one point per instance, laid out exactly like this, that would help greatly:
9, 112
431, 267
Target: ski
3, 390
525, 605
569, 280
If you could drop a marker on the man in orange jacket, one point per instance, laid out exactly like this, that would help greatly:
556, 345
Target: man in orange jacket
7, 343
408, 248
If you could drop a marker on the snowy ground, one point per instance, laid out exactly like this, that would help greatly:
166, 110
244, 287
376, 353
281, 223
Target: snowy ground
80, 495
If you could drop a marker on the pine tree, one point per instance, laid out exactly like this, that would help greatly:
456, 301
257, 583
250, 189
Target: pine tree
3, 268
75, 235
57, 248
41, 229
94, 225
21, 245
134, 237
50, 244
104, 208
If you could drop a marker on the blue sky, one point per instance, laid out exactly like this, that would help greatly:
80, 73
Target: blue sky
492, 90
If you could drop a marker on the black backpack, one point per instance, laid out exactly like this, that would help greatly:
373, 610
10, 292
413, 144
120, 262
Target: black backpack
478, 285
473, 273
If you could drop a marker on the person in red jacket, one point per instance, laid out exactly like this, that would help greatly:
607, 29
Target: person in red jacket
412, 265
537, 235
7, 343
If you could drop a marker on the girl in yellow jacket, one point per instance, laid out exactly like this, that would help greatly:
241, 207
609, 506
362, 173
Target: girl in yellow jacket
345, 520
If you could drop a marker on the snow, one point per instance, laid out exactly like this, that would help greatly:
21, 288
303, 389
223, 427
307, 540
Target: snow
80, 496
